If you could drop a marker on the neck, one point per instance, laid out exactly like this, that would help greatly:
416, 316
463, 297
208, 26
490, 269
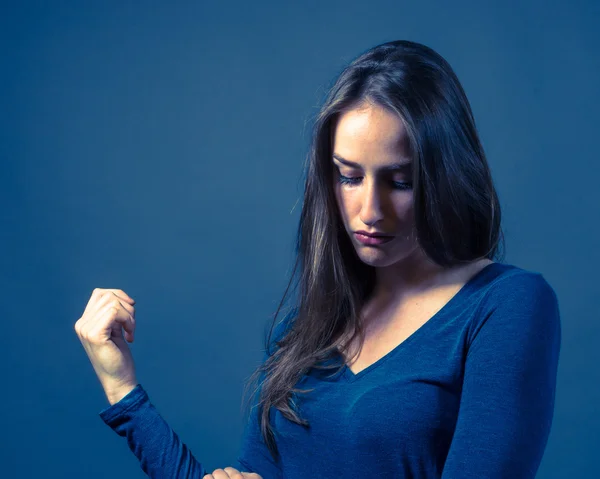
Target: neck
414, 274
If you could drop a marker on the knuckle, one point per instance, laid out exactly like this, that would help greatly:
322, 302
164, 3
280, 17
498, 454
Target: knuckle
94, 336
86, 336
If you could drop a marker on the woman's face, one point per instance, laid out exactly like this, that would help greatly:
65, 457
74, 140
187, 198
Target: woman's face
373, 183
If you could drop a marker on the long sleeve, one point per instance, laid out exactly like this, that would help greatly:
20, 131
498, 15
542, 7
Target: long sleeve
160, 451
508, 394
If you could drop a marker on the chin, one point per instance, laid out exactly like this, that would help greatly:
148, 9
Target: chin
382, 257
377, 258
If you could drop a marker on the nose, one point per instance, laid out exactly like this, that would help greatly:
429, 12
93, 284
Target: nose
372, 204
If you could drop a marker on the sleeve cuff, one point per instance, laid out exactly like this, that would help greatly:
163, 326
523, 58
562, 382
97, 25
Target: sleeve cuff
134, 398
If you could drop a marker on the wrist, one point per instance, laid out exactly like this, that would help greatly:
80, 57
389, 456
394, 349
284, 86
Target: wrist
115, 394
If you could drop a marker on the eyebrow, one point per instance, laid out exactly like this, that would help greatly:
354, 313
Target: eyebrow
403, 167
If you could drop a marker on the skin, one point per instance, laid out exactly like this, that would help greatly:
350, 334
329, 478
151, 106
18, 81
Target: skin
231, 473
409, 286
373, 137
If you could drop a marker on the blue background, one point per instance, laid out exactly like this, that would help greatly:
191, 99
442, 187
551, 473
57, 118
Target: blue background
157, 147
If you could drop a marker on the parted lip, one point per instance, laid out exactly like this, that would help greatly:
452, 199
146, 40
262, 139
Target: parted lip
374, 234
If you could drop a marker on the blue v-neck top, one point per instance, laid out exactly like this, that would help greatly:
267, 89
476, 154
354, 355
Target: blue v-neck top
470, 394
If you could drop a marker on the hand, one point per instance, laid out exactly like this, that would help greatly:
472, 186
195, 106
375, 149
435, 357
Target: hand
100, 330
231, 473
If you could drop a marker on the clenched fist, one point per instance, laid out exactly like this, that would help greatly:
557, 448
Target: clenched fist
108, 313
231, 473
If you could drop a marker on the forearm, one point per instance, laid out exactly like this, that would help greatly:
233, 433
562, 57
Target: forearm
160, 451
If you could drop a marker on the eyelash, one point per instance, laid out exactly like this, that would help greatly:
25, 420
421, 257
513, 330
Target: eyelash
397, 184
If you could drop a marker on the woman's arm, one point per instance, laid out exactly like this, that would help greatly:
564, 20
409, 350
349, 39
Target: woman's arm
160, 451
507, 401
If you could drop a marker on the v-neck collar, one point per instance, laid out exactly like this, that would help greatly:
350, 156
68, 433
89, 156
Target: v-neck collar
347, 374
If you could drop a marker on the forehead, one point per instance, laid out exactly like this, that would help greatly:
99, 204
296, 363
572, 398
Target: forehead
370, 130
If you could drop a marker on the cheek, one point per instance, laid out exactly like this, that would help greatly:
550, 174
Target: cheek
404, 209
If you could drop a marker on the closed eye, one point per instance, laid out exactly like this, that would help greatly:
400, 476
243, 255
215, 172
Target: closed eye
347, 180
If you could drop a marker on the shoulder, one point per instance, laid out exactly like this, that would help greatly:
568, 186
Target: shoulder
516, 303
512, 284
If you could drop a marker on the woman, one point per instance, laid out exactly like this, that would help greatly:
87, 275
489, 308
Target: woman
442, 361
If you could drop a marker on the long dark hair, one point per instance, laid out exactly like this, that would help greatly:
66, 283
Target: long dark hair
456, 211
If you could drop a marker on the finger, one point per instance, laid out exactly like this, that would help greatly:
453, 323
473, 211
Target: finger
122, 295
100, 298
220, 474
250, 475
111, 296
208, 476
107, 325
117, 292
126, 306
112, 317
112, 299
233, 472
88, 325
100, 295
92, 303
105, 303
89, 319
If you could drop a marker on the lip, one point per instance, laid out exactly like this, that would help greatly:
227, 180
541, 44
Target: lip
372, 240
373, 235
